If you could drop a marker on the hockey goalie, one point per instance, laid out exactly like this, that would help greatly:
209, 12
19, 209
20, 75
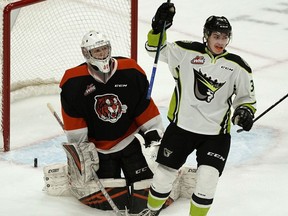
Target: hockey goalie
104, 104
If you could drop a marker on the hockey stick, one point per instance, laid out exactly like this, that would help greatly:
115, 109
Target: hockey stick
110, 201
267, 110
156, 61
97, 180
50, 107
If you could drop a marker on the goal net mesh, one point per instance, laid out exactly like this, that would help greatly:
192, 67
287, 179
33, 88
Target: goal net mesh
46, 37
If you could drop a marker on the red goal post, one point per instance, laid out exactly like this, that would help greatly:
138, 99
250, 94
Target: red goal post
41, 39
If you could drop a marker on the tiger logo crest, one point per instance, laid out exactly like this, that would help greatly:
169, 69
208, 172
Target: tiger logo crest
109, 108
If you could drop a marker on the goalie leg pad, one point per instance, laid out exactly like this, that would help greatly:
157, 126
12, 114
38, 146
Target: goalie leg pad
139, 196
187, 181
91, 195
56, 180
183, 186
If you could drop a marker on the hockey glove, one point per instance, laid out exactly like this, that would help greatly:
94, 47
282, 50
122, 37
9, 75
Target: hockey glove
164, 13
243, 116
149, 138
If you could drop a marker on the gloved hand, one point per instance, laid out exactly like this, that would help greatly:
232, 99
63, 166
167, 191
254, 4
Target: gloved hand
165, 12
150, 137
243, 116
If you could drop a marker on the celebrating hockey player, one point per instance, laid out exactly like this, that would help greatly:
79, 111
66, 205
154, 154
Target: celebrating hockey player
103, 106
209, 81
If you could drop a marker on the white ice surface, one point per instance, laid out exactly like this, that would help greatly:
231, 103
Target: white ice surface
255, 180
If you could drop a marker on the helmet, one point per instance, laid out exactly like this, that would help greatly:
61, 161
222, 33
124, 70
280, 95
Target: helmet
218, 24
93, 40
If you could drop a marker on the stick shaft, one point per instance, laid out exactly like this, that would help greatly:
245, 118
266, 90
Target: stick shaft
154, 69
50, 107
271, 107
107, 196
267, 110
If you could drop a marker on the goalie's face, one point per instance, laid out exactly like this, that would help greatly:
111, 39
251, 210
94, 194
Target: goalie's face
97, 50
100, 57
100, 53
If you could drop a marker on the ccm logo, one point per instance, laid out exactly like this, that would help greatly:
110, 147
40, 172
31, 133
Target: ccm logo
216, 156
226, 68
144, 169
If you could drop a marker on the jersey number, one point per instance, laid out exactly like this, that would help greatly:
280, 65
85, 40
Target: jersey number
252, 85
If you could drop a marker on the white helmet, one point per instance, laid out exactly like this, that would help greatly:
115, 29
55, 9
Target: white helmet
93, 40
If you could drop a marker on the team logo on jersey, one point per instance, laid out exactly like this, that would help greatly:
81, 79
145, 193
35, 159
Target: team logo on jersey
109, 108
167, 152
198, 60
90, 88
204, 87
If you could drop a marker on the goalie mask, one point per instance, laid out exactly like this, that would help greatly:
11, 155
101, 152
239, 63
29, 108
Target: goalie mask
97, 50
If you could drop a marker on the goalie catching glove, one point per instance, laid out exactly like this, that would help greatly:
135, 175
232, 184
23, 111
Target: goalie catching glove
243, 116
81, 157
165, 13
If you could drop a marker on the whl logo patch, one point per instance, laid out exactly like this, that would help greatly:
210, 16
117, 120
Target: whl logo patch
198, 60
90, 88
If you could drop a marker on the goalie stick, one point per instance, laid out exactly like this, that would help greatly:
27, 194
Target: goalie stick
110, 201
267, 110
96, 178
50, 107
156, 61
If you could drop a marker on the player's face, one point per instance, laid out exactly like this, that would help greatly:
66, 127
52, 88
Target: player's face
217, 42
100, 53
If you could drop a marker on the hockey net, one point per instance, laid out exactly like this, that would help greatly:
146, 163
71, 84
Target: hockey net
41, 39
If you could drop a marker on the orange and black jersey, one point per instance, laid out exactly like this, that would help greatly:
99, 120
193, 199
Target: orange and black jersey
110, 113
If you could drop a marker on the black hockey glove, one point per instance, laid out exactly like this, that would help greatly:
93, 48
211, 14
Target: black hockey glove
149, 138
243, 116
164, 13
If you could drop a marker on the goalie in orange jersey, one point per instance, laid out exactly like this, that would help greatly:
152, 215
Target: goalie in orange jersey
103, 106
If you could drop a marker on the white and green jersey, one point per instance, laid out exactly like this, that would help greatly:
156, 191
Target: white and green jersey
206, 86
